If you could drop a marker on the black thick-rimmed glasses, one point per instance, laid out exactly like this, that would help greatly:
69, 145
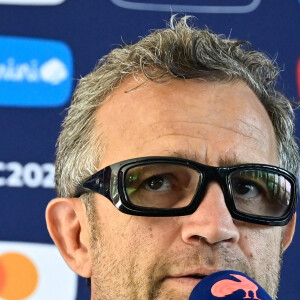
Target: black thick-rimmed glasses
169, 186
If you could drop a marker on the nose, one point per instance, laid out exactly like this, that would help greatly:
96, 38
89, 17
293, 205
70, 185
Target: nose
211, 221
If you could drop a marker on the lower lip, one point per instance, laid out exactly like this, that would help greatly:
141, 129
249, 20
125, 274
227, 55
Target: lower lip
183, 281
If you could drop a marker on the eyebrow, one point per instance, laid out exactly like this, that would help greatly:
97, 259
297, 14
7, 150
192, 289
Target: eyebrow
223, 161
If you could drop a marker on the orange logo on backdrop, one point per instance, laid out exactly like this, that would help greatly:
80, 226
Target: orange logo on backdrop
18, 276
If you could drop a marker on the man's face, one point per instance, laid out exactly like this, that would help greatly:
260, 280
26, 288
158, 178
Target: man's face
147, 258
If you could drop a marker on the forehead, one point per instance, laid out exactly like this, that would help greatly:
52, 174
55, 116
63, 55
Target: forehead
208, 120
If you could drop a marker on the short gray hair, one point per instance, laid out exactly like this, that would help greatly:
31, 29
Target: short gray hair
179, 51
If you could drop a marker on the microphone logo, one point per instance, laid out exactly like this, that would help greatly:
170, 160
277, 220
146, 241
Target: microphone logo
227, 287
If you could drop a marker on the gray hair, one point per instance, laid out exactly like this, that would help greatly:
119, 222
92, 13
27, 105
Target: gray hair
179, 51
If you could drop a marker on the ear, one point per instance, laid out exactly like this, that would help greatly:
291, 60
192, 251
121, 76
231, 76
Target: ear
67, 224
288, 233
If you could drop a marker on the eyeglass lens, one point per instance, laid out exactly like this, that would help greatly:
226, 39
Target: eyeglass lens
262, 193
161, 185
257, 192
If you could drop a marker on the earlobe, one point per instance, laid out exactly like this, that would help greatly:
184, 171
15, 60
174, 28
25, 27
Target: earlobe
288, 233
68, 227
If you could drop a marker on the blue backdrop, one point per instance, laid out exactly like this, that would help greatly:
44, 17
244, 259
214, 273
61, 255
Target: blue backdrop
45, 45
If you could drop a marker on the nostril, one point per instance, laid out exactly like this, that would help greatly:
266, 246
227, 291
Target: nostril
199, 238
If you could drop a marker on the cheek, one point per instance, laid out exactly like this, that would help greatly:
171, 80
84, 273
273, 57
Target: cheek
152, 235
261, 243
133, 234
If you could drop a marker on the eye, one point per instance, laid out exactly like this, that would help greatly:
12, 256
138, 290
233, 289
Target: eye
245, 189
157, 183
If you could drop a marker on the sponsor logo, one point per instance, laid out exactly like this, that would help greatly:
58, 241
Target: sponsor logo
192, 6
31, 175
34, 72
34, 271
9, 279
298, 76
31, 2
227, 287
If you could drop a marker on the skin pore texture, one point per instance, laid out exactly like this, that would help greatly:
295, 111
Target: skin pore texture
151, 258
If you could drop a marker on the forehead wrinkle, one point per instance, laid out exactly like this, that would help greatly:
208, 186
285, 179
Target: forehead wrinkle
201, 155
163, 131
252, 127
231, 128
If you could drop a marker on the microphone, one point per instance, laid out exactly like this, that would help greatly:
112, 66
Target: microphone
228, 285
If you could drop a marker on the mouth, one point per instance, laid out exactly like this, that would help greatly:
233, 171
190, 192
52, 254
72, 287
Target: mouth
194, 276
190, 280
186, 280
